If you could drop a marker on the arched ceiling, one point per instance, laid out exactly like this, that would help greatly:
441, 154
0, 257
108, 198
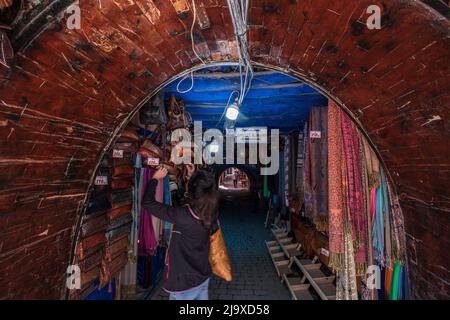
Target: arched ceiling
71, 91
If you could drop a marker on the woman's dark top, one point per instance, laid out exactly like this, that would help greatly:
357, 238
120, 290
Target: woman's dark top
187, 264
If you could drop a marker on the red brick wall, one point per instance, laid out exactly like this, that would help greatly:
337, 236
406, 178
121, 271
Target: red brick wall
68, 96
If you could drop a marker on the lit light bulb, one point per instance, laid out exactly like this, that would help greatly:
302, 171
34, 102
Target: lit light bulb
232, 112
214, 147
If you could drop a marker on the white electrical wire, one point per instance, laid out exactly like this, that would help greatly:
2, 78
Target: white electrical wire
191, 74
239, 15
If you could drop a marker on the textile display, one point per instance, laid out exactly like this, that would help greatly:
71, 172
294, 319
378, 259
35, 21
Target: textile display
147, 241
316, 168
356, 210
366, 224
335, 190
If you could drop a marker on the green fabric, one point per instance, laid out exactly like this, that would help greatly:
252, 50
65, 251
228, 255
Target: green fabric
266, 192
395, 282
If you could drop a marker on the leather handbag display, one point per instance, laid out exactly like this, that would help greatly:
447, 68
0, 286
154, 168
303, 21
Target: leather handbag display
93, 260
113, 234
129, 134
150, 150
123, 171
154, 111
119, 212
93, 223
120, 198
98, 203
121, 183
176, 112
126, 146
218, 256
90, 242
117, 247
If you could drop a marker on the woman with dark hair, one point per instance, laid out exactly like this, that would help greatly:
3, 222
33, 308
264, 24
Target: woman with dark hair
187, 264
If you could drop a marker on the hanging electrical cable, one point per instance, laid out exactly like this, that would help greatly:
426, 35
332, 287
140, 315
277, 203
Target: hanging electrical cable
191, 74
239, 14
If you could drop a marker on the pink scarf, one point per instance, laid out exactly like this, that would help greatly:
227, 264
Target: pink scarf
356, 209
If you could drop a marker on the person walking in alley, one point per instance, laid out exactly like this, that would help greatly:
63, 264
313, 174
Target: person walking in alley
235, 178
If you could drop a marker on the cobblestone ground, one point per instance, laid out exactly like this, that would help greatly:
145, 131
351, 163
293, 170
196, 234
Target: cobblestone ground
254, 276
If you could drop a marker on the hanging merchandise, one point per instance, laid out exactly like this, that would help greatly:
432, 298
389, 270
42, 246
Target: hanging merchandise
154, 111
316, 156
356, 210
178, 117
335, 191
266, 192
167, 225
147, 241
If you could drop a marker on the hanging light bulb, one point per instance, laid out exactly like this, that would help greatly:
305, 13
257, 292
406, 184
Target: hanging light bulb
232, 111
214, 147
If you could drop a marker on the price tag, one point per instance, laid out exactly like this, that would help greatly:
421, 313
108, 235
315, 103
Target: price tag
315, 134
118, 154
325, 252
101, 180
153, 161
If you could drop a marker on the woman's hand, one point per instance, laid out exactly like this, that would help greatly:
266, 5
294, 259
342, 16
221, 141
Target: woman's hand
190, 169
160, 173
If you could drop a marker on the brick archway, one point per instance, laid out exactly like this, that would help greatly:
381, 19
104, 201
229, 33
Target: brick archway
71, 91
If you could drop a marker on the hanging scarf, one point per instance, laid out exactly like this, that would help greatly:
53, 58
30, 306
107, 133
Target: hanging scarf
167, 201
147, 241
318, 154
335, 190
397, 229
346, 287
367, 294
308, 194
356, 210
157, 223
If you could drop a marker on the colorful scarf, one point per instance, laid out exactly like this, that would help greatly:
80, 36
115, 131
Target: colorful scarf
356, 210
147, 243
335, 189
366, 151
317, 208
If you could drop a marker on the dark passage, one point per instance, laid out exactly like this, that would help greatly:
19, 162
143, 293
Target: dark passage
254, 276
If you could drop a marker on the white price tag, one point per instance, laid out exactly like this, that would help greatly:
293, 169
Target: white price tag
315, 134
101, 180
325, 252
118, 154
153, 161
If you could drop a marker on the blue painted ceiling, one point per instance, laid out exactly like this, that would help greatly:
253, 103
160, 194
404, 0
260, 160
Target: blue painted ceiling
275, 100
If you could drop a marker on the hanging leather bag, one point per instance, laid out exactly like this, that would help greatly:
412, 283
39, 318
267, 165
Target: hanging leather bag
154, 112
178, 117
218, 256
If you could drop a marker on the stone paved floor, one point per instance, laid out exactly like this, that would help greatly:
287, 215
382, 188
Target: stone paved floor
254, 276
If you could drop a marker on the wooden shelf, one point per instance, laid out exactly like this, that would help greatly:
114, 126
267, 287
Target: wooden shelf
322, 284
298, 289
284, 253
